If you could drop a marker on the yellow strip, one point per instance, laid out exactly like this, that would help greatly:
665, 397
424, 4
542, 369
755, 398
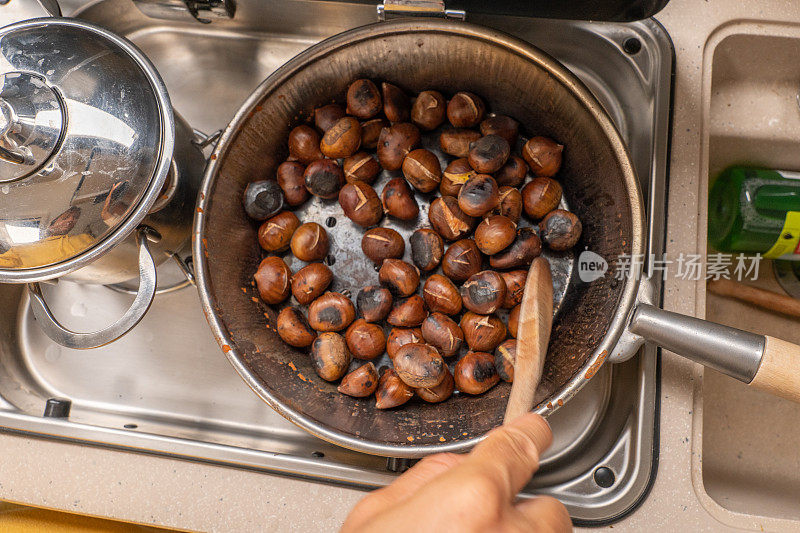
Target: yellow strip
786, 245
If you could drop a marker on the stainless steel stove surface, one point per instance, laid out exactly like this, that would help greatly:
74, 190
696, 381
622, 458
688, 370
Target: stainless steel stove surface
166, 388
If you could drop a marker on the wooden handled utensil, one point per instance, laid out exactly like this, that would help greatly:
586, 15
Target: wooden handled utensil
772, 301
533, 336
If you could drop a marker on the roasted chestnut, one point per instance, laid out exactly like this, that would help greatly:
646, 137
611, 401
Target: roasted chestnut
560, 229
513, 173
361, 204
365, 339
396, 106
429, 110
398, 200
382, 243
515, 287
272, 280
408, 313
427, 248
456, 141
361, 382
465, 110
326, 116
475, 373
371, 131
401, 277
441, 332
310, 242
523, 250
361, 167
484, 292
275, 234
505, 127
324, 178
448, 220
374, 303
419, 365
441, 296
462, 260
494, 234
310, 282
513, 320
331, 312
304, 144
399, 337
294, 329
394, 144
543, 156
504, 358
510, 204
262, 199
540, 196
363, 99
330, 356
455, 175
422, 169
440, 392
479, 195
482, 332
292, 183
488, 154
342, 139
391, 391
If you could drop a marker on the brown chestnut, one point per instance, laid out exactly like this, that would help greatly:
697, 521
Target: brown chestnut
310, 282
361, 167
448, 220
324, 178
512, 173
330, 356
294, 329
475, 373
479, 195
494, 234
326, 116
398, 200
429, 110
465, 110
523, 250
543, 156
515, 287
395, 142
275, 234
560, 229
513, 320
462, 260
363, 99
292, 183
441, 296
482, 332
419, 365
441, 332
310, 242
374, 303
304, 144
361, 382
342, 139
504, 358
401, 277
484, 292
455, 175
510, 204
440, 392
422, 169
408, 313
399, 337
382, 243
365, 339
488, 154
361, 204
427, 248
540, 196
391, 391
371, 131
456, 141
396, 105
331, 312
505, 127
272, 280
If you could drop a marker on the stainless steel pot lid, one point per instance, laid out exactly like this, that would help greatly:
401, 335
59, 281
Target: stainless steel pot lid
86, 136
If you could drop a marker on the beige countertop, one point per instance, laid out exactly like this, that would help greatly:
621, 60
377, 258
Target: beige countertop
182, 494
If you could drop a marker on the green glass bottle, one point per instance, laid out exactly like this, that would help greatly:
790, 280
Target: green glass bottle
756, 210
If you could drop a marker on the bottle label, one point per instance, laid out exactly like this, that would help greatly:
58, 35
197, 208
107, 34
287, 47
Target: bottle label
788, 244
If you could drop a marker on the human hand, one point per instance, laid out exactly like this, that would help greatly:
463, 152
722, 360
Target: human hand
469, 492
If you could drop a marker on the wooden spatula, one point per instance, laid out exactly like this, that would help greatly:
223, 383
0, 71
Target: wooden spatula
533, 336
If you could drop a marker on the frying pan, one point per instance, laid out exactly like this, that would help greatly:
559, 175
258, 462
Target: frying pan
605, 320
